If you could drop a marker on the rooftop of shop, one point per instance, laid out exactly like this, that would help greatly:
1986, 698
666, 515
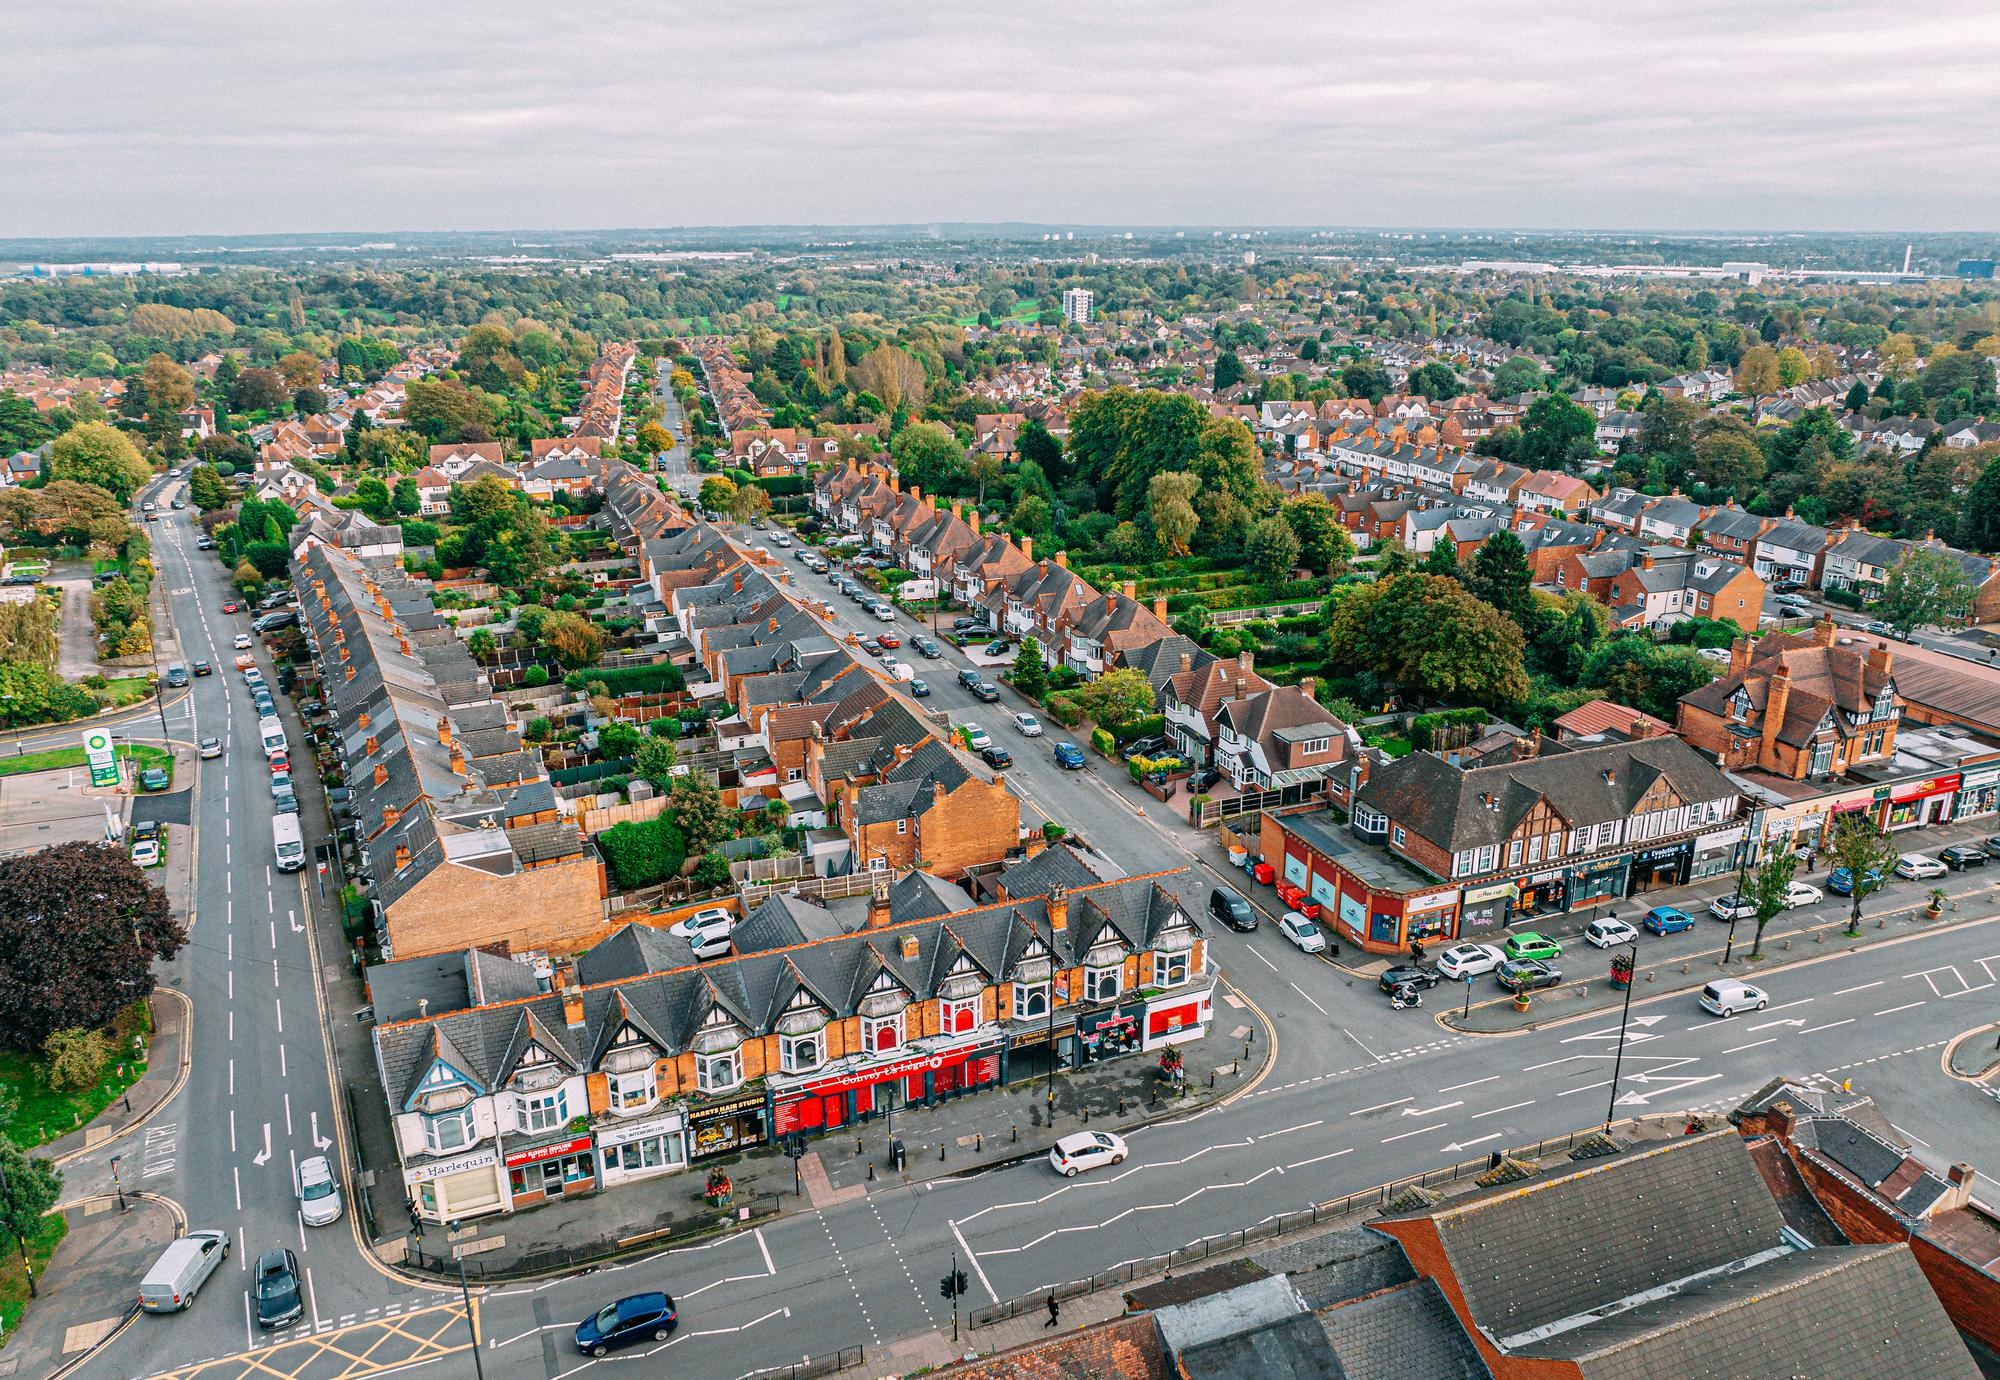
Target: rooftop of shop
1378, 868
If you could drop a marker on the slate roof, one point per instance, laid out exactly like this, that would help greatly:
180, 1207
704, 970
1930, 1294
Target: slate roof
1055, 866
1401, 1332
1291, 1349
1161, 659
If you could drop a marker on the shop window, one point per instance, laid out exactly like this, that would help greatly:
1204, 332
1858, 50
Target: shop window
879, 1035
448, 1131
1102, 984
958, 1017
1170, 970
632, 1092
1031, 1000
718, 1072
543, 1112
798, 1053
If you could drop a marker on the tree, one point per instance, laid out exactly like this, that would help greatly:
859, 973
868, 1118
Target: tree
98, 453
716, 492
1116, 698
1793, 366
208, 489
308, 401
1442, 560
1324, 544
408, 502
80, 928
1979, 513
1034, 444
1727, 459
654, 760
1757, 372
1857, 397
1637, 671
299, 369
893, 375
1767, 889
1925, 587
75, 1058
571, 639
1031, 673
1898, 357
169, 391
655, 438
642, 852
616, 740
1518, 375
1434, 379
1563, 646
712, 871
258, 390
481, 644
1501, 577
1554, 432
1229, 370
1431, 636
371, 496
445, 410
1857, 845
1170, 508
1272, 549
696, 806
749, 504
32, 1186
929, 456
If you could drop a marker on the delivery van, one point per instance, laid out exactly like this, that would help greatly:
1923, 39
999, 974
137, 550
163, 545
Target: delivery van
177, 1275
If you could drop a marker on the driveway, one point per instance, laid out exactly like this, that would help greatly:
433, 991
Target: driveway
76, 657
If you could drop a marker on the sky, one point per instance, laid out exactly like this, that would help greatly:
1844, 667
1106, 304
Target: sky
232, 117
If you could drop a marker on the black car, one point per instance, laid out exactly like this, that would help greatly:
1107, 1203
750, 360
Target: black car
986, 692
871, 646
927, 647
279, 1300
967, 625
1155, 746
969, 678
1231, 909
202, 668
640, 1318
998, 647
1417, 975
1962, 856
998, 757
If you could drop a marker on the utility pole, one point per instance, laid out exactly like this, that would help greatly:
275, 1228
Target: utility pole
1618, 1065
465, 1296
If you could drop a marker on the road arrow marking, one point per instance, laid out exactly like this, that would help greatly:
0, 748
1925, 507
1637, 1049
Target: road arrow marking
1428, 1111
1640, 1099
1768, 1024
293, 916
1611, 1032
1458, 1145
320, 1142
264, 1155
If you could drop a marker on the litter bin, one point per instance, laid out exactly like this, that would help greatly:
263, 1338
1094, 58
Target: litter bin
896, 1155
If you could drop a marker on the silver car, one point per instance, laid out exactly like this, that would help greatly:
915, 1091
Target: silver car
319, 1193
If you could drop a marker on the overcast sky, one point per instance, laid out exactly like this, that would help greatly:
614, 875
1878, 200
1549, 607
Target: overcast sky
227, 116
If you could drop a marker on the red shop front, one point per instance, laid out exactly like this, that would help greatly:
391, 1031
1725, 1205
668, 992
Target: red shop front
824, 1104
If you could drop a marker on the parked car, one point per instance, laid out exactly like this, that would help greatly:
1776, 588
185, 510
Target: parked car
1463, 961
284, 802
1028, 724
871, 646
889, 639
968, 677
986, 692
1667, 920
1525, 975
319, 1193
707, 944
1232, 910
231, 606
1792, 601
211, 747
1414, 974
998, 757
1068, 756
966, 625
1530, 945
1961, 856
280, 781
999, 646
1801, 894
1727, 998
1609, 933
279, 761
1877, 628
1731, 907
712, 918
203, 668
1917, 866
146, 853
279, 1300
883, 611
1840, 881
1153, 746
1295, 898
976, 737
1718, 654
1083, 1150
1306, 937
177, 676
154, 779
919, 689
146, 829
926, 647
628, 1322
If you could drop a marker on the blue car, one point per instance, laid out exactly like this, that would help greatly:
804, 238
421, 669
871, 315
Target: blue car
1068, 756
628, 1322
1841, 881
919, 690
1667, 920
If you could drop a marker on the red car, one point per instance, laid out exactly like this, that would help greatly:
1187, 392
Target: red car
279, 762
888, 639
231, 606
1297, 900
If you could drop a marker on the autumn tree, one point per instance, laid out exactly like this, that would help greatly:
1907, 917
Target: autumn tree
749, 503
258, 390
1725, 458
1757, 372
98, 453
571, 639
299, 369
893, 375
169, 390
1170, 509
716, 492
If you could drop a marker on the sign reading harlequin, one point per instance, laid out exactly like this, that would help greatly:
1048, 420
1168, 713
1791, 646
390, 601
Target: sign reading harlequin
98, 755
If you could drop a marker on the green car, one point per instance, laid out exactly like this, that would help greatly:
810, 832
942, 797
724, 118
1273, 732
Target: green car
153, 779
1528, 945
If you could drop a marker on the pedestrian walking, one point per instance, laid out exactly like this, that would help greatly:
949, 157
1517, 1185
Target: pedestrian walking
1055, 1312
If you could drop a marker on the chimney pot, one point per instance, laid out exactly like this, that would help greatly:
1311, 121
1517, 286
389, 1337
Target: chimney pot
1028, 547
1160, 608
1187, 662
1245, 662
878, 906
402, 856
916, 493
958, 508
1131, 589
1062, 559
381, 775
1058, 908
1306, 684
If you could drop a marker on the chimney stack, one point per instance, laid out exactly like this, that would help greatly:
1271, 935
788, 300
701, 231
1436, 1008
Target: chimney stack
958, 508
1739, 655
1160, 607
1531, 746
1959, 1176
909, 948
381, 775
895, 482
972, 521
878, 906
1879, 658
1187, 662
1246, 662
1646, 561
916, 493
1777, 695
1028, 547
444, 729
402, 856
1825, 633
1131, 589
573, 1010
1062, 559
1058, 908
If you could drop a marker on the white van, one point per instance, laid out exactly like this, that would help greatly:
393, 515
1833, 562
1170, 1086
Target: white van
177, 1275
289, 843
273, 733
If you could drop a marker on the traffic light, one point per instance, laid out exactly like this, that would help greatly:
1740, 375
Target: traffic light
953, 1285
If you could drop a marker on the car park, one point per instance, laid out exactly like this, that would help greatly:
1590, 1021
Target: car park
146, 853
1407, 974
1463, 961
319, 1193
154, 779
998, 757
279, 1300
1726, 998
1609, 932
1840, 881
1028, 724
1527, 974
1068, 756
1800, 894
1667, 920
174, 1279
1530, 945
1083, 1150
1731, 907
1306, 937
1231, 909
1294, 898
1917, 866
628, 1322
920, 690
986, 692
1961, 856
211, 747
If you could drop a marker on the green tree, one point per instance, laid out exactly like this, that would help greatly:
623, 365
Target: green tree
1364, 378
1272, 550
1031, 672
407, 501
616, 740
208, 489
1517, 376
1857, 397
1979, 514
481, 644
75, 1058
712, 871
643, 852
1431, 636
1766, 892
655, 759
1554, 432
1434, 379
1726, 458
749, 504
1565, 641
100, 454
1857, 845
1116, 698
445, 410
1637, 671
1501, 577
1035, 445
1442, 560
1757, 373
1926, 587
33, 1185
371, 496
696, 806
1229, 370
1324, 544
1170, 509
929, 456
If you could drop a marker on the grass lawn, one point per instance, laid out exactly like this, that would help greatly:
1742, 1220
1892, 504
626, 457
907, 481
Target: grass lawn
123, 691
47, 1112
13, 1282
143, 755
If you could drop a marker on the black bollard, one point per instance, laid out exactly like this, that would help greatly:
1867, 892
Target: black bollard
940, 1152
1017, 1134
979, 1142
857, 1145
1211, 1078
1086, 1114
1121, 1104
871, 1171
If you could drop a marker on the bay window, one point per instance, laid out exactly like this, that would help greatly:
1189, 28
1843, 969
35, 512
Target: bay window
1102, 984
542, 1111
881, 1034
1170, 970
631, 1092
718, 1072
1031, 1000
801, 1053
958, 1017
447, 1131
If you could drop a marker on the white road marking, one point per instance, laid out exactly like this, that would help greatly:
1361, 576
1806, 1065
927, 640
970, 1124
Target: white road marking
1261, 959
1828, 1026
1302, 992
1418, 1132
1317, 1159
281, 1015
1473, 1084
1906, 1006
1302, 1126
1862, 988
1363, 1111
1738, 1049
1510, 1107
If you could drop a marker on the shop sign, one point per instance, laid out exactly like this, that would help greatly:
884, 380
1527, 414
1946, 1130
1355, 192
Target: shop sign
1985, 776
444, 1169
1494, 892
102, 760
902, 1068
733, 1107
1553, 874
1935, 786
1434, 901
549, 1152
638, 1130
1661, 854
1720, 840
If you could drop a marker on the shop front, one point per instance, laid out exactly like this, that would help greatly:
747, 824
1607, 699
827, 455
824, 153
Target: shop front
1978, 793
1597, 881
1353, 911
1715, 854
1108, 1034
1922, 803
641, 1149
1484, 909
1539, 894
722, 1128
559, 1169
1428, 919
1659, 868
1385, 921
824, 1103
1177, 1016
468, 1185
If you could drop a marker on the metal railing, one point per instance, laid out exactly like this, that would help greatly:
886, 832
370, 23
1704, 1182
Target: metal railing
829, 1364
761, 1208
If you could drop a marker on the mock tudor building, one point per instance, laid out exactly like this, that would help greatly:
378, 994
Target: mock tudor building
1797, 706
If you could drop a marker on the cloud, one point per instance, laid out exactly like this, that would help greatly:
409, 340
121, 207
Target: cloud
228, 116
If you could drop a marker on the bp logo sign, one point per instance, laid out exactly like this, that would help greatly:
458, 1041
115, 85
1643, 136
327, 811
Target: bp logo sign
98, 755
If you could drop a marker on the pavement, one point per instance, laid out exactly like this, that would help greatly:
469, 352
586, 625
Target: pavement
167, 1063
89, 1293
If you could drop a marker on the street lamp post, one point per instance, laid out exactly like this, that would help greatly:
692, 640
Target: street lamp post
118, 1183
465, 1296
1618, 1064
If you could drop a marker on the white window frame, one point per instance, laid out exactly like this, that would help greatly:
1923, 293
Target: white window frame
460, 1117
1170, 970
871, 1033
718, 1072
950, 1011
1105, 983
540, 1112
1024, 1000
635, 1091
791, 1046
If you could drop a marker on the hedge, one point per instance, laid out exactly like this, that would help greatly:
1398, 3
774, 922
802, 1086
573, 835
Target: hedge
642, 853
1147, 727
592, 771
1423, 729
661, 677
782, 485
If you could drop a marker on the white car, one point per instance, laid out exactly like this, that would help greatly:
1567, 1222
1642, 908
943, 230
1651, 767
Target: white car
1800, 894
1609, 933
319, 1193
1303, 933
1731, 907
708, 944
1727, 998
781, 540
1030, 726
1462, 961
146, 853
244, 642
1918, 866
1073, 1154
885, 612
703, 921
1718, 654
976, 737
